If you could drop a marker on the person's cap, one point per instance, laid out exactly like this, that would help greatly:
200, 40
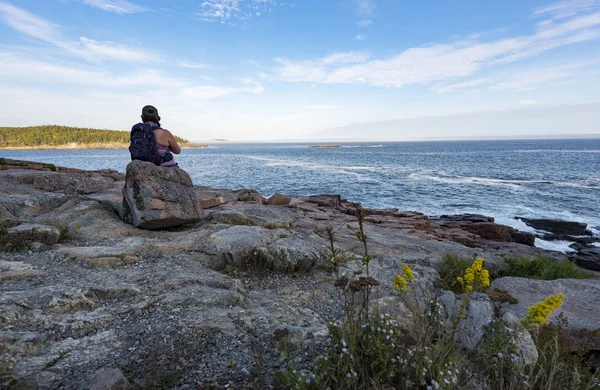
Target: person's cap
149, 110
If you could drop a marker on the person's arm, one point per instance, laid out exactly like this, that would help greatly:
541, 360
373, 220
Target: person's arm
173, 145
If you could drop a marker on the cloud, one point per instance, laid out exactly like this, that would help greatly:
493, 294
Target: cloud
117, 6
22, 70
364, 23
441, 62
15, 68
191, 65
27, 23
315, 70
88, 49
360, 37
457, 86
365, 6
567, 9
233, 11
530, 78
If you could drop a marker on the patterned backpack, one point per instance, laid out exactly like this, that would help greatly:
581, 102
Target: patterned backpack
143, 145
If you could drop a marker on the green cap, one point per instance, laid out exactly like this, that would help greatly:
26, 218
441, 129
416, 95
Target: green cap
149, 110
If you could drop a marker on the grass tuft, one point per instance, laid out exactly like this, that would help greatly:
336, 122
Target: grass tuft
542, 268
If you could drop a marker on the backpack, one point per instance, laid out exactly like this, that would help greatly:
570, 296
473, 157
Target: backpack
143, 145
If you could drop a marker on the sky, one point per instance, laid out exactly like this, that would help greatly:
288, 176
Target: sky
251, 70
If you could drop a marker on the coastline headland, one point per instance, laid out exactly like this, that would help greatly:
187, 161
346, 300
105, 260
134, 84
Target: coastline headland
215, 303
53, 137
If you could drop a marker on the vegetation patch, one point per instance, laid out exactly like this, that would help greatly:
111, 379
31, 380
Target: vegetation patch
54, 135
542, 268
419, 349
453, 267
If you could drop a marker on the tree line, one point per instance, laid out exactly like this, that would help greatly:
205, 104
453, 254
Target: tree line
54, 135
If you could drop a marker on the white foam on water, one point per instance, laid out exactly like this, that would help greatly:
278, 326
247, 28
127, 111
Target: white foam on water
596, 244
335, 169
517, 224
514, 184
557, 246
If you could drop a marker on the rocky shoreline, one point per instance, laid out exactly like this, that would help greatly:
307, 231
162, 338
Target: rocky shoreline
213, 302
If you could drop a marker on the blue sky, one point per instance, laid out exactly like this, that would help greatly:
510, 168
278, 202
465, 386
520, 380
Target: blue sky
304, 69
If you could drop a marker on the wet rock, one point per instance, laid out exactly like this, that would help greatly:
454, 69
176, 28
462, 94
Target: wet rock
109, 378
475, 218
279, 200
156, 198
485, 228
557, 227
588, 258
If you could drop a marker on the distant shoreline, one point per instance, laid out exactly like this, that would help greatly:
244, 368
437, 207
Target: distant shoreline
77, 146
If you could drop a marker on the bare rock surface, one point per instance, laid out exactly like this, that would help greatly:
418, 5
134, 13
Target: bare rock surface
174, 308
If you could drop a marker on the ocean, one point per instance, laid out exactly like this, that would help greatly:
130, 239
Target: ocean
558, 179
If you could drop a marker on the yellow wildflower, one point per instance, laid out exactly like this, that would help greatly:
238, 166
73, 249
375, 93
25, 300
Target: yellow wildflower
538, 314
400, 283
407, 273
475, 277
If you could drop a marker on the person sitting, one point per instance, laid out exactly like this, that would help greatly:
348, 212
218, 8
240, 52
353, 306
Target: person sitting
166, 144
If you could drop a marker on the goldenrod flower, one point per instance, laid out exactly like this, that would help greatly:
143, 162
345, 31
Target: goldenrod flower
475, 277
400, 283
538, 314
407, 273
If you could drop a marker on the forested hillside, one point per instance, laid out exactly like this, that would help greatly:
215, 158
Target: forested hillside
53, 135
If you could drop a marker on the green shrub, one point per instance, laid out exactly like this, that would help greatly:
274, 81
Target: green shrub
453, 267
543, 268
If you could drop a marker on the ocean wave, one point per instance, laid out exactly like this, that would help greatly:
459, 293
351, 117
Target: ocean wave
514, 184
557, 151
591, 182
557, 246
336, 169
516, 224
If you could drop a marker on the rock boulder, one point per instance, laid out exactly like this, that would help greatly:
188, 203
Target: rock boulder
156, 197
557, 227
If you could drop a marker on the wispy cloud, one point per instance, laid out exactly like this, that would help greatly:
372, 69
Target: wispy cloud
442, 62
191, 65
365, 7
364, 23
22, 70
360, 37
567, 9
27, 23
46, 31
118, 6
458, 86
234, 11
529, 78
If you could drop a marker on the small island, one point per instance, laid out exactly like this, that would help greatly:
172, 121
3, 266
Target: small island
325, 146
66, 137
